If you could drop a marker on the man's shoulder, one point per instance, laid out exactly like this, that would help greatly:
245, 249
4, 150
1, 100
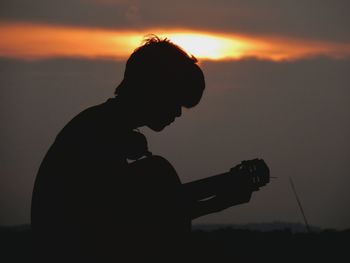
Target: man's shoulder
96, 120
91, 114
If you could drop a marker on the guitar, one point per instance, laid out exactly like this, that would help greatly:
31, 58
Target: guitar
154, 192
207, 195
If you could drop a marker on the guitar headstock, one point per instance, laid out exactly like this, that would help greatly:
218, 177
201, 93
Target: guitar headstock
254, 173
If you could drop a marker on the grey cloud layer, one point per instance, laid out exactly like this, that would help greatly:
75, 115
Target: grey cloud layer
326, 19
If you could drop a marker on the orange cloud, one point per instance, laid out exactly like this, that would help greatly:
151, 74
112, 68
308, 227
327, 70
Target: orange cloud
38, 41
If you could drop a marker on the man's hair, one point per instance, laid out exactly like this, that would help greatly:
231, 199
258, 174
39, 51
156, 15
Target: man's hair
161, 67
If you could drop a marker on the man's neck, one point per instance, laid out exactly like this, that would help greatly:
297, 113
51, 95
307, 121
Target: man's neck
132, 115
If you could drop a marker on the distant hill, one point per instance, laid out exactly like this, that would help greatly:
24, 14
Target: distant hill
263, 227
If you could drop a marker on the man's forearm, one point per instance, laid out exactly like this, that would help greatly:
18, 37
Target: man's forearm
205, 207
219, 203
207, 187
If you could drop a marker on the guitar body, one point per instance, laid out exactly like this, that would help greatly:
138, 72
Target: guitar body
158, 193
158, 208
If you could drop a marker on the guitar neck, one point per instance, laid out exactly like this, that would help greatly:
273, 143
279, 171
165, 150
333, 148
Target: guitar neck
207, 187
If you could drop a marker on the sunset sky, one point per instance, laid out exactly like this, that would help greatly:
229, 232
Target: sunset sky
40, 41
277, 75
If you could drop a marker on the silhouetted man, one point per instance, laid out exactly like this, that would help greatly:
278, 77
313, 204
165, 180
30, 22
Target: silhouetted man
91, 201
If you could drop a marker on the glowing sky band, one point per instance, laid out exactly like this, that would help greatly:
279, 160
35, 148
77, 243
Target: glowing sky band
40, 41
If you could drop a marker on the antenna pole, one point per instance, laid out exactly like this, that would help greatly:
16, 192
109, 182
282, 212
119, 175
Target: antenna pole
300, 206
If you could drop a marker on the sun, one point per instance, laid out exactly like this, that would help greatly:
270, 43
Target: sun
206, 46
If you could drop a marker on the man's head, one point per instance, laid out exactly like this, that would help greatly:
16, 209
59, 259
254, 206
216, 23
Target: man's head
160, 77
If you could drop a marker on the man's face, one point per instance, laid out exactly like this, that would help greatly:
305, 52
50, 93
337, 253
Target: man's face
163, 112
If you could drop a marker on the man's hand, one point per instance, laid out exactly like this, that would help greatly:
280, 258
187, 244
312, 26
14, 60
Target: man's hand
247, 177
252, 173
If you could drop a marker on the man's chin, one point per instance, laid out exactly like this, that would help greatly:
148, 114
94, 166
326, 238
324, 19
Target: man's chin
157, 127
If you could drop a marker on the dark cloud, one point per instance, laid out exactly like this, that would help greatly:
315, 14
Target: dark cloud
324, 20
295, 115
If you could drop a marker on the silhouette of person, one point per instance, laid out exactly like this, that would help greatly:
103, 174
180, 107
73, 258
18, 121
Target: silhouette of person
100, 194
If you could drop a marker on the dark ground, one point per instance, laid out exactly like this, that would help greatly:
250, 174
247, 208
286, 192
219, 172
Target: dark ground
223, 244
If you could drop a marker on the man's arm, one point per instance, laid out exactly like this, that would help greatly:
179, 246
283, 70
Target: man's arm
216, 193
219, 202
222, 191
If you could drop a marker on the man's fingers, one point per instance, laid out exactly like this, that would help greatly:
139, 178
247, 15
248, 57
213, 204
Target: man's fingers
257, 170
264, 171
